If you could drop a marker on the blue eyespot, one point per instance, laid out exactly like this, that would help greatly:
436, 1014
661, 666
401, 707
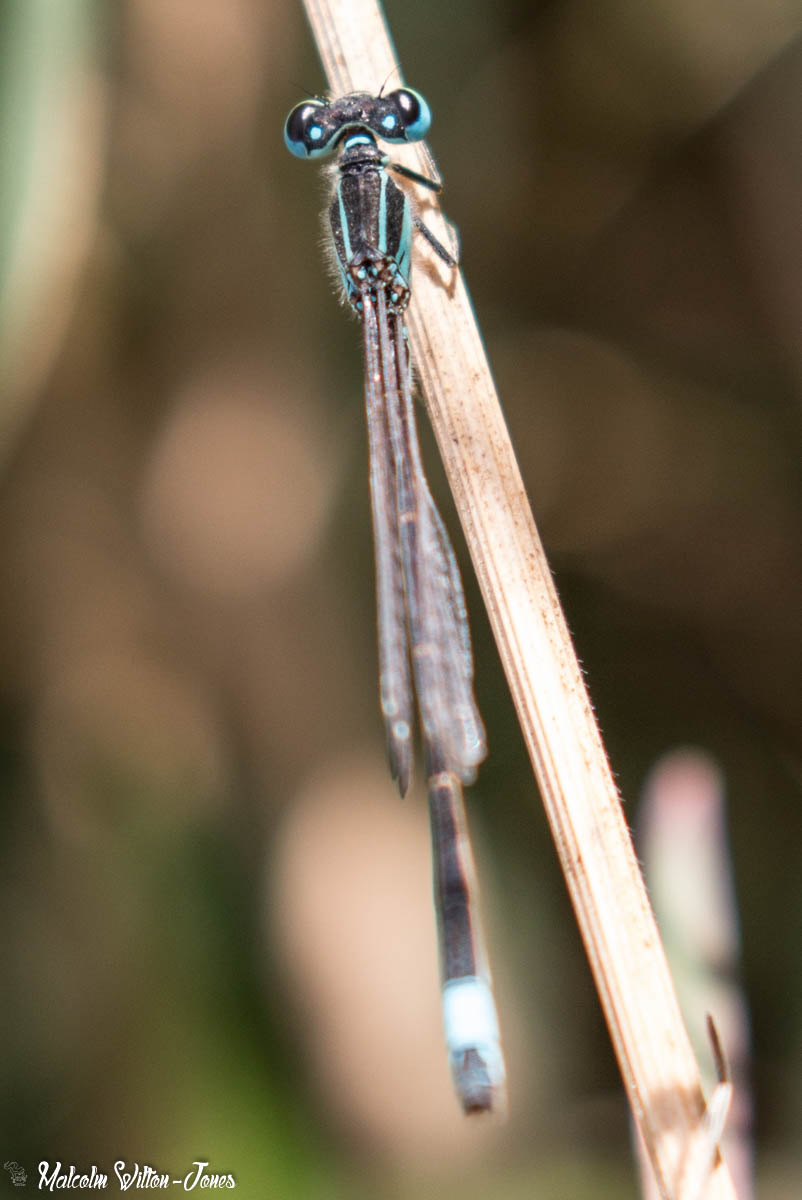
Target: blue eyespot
389, 122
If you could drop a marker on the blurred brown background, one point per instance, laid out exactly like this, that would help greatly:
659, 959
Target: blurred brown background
218, 933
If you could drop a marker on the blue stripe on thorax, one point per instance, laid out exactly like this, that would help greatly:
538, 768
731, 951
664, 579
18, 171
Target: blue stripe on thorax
382, 231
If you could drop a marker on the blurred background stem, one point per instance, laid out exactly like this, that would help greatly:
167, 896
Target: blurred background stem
50, 147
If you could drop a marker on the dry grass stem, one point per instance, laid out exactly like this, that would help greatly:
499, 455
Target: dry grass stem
657, 1063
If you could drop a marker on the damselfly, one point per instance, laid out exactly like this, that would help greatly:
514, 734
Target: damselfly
421, 607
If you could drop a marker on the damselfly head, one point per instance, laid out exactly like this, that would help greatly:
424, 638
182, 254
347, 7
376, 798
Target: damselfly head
316, 127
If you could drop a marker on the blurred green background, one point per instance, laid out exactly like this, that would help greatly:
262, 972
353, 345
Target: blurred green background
218, 939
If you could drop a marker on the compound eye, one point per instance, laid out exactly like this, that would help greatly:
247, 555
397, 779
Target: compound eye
305, 133
414, 114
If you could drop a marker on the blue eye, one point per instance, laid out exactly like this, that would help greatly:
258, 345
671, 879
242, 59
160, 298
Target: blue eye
304, 135
415, 113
